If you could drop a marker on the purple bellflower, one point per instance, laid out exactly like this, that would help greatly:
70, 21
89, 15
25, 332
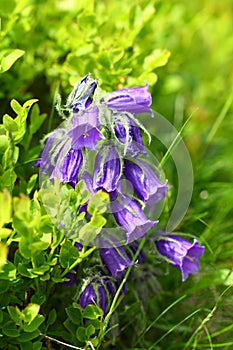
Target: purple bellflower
81, 96
135, 143
85, 131
94, 293
115, 259
181, 253
107, 169
130, 217
67, 169
132, 100
145, 183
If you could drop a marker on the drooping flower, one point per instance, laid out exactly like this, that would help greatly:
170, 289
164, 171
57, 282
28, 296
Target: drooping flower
115, 258
85, 129
134, 141
107, 169
130, 217
81, 96
68, 167
145, 183
180, 253
51, 151
132, 100
94, 293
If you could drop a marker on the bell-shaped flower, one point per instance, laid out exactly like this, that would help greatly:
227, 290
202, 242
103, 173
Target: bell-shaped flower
107, 170
132, 100
68, 167
51, 152
130, 217
85, 129
114, 258
133, 139
146, 184
94, 293
81, 96
180, 253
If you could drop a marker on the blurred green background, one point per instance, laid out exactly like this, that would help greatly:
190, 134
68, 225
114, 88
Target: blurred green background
184, 50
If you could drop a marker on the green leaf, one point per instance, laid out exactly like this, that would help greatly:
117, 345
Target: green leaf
34, 324
26, 346
95, 323
4, 143
158, 58
75, 314
36, 119
8, 271
5, 207
98, 203
10, 329
5, 232
9, 59
90, 230
51, 317
8, 179
37, 345
9, 123
7, 7
3, 254
16, 106
92, 312
90, 330
16, 315
81, 334
30, 312
70, 326
68, 254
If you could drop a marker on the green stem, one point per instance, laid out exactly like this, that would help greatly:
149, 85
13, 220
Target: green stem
78, 260
117, 295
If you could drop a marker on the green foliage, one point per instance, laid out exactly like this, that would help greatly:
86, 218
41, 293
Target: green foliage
49, 45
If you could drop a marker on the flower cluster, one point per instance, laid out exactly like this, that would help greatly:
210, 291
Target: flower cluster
101, 143
108, 126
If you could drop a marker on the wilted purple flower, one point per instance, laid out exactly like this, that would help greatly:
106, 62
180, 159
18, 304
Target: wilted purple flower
115, 259
85, 129
94, 293
107, 169
181, 253
135, 143
145, 183
131, 218
81, 95
132, 100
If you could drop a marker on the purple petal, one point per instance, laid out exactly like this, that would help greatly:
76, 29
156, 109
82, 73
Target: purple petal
85, 131
135, 143
107, 173
183, 254
133, 100
68, 169
145, 183
115, 259
81, 96
131, 218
